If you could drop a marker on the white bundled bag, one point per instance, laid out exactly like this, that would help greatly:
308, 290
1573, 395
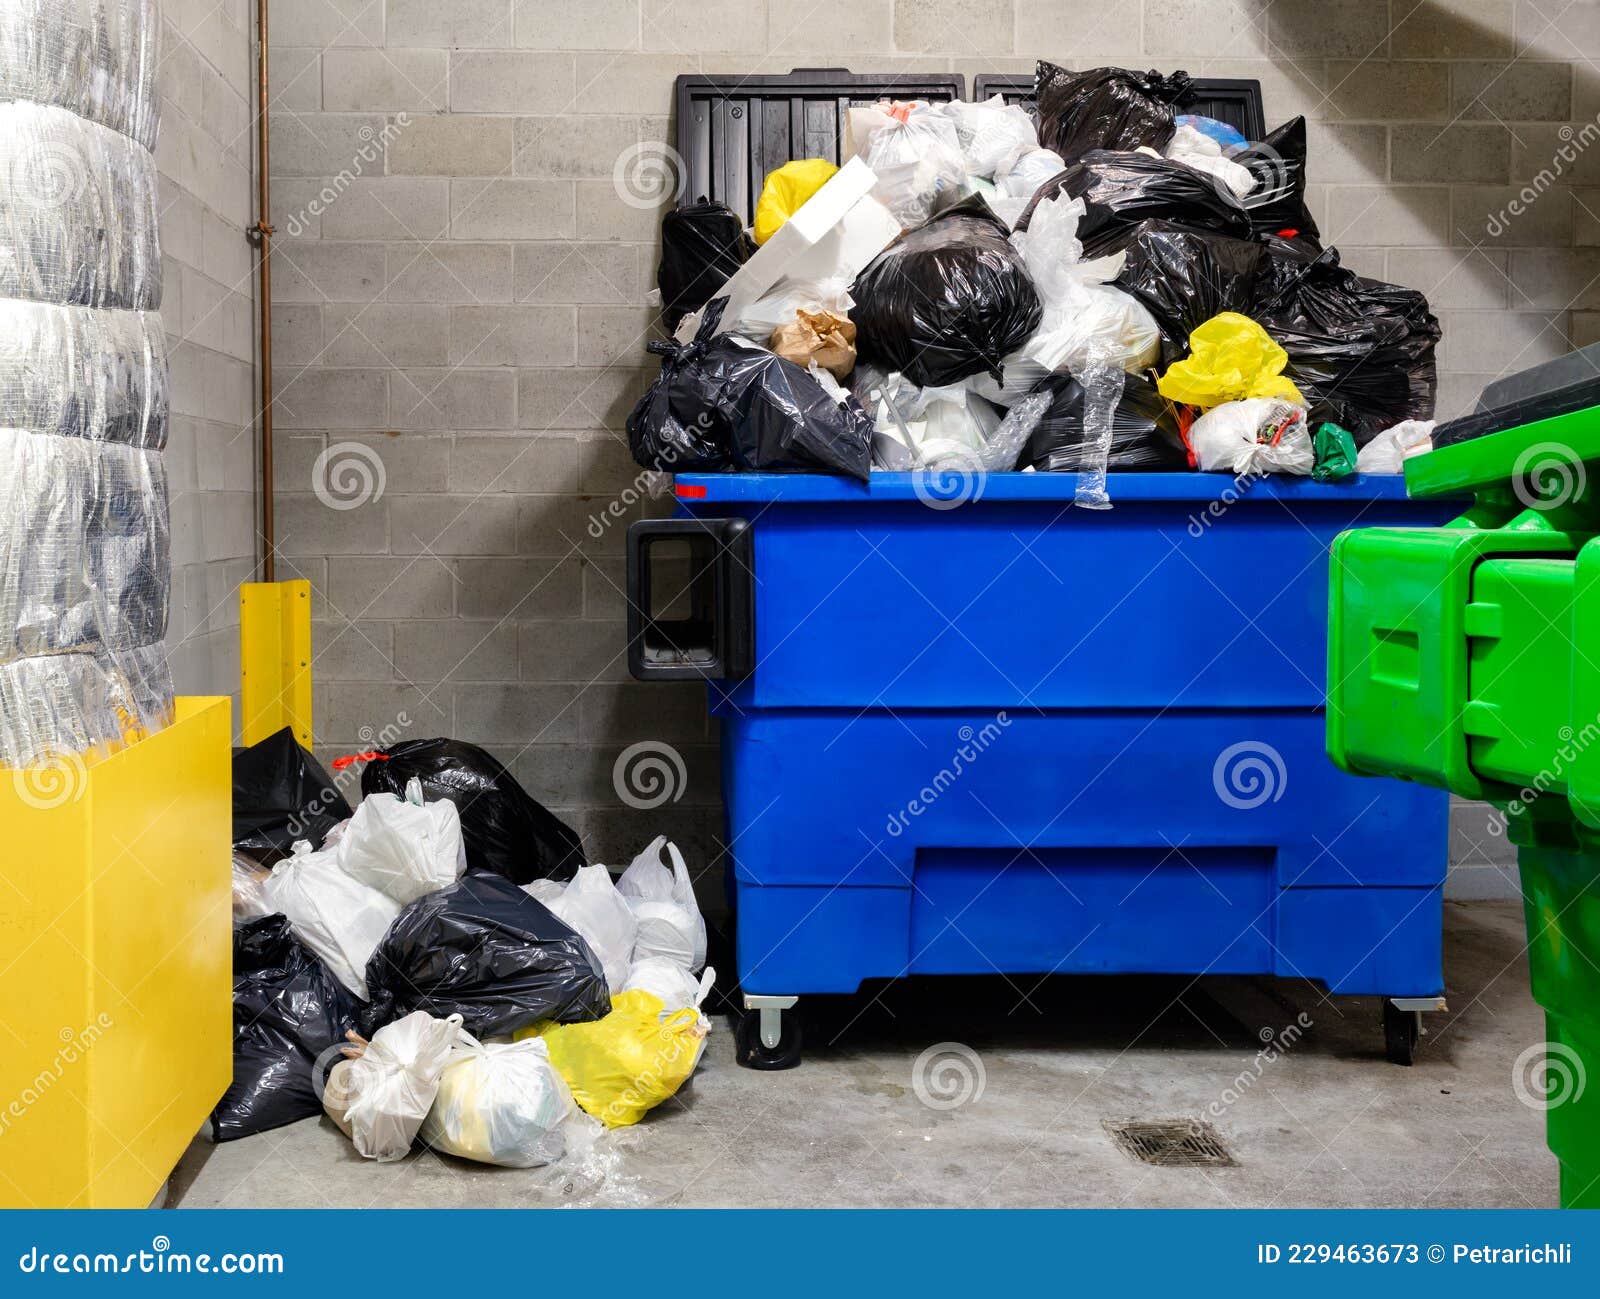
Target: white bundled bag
991, 133
1198, 150
1388, 451
671, 982
1259, 435
916, 158
403, 847
662, 900
786, 300
501, 1104
381, 1095
341, 919
601, 916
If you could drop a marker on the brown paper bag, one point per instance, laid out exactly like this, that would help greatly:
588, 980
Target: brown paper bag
820, 336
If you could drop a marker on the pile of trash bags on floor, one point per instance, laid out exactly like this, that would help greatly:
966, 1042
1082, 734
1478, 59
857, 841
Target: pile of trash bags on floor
1108, 283
440, 965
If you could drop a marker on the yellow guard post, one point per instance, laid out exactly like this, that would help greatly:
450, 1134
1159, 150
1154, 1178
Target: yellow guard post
275, 660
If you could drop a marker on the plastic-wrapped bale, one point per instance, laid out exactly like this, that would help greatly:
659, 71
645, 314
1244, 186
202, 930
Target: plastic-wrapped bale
84, 372
57, 705
78, 216
97, 58
1106, 108
1120, 190
947, 300
1144, 430
1185, 277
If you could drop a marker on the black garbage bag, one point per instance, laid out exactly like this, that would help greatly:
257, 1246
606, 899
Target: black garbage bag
1184, 277
702, 245
1107, 108
947, 300
281, 793
1360, 351
504, 830
483, 949
1278, 202
724, 403
1144, 430
1119, 190
288, 1010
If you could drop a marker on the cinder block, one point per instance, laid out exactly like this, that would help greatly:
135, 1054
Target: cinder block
1556, 278
1585, 328
937, 26
452, 399
385, 334
627, 83
596, 25
1349, 153
323, 23
296, 78
452, 144
1511, 216
564, 271
511, 81
446, 272
327, 144
1402, 215
1557, 29
1329, 29
605, 589
608, 466
1500, 342
572, 145
519, 588
579, 398
616, 335
354, 713
456, 650
553, 525
1567, 156
352, 651
387, 80
573, 650
620, 714
507, 208
452, 525
514, 463
1459, 153
864, 25
735, 26
1183, 29
482, 24
1453, 277
1511, 92
1458, 394
306, 524
390, 207
1378, 90
401, 587
330, 399
1453, 29
520, 714
602, 215
512, 335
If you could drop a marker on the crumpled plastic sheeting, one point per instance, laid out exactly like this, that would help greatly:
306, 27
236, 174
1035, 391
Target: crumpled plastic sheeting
83, 372
60, 704
97, 58
78, 216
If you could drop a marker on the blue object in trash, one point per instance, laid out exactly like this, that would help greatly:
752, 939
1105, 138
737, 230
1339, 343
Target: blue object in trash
986, 731
1231, 139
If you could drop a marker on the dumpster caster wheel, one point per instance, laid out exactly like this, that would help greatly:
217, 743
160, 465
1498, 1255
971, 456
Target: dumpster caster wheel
1401, 1029
753, 1052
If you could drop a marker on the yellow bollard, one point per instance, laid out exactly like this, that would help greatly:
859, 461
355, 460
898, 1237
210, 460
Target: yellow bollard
275, 660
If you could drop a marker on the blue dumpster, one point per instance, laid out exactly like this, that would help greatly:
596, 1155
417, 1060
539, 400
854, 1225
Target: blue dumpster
1006, 734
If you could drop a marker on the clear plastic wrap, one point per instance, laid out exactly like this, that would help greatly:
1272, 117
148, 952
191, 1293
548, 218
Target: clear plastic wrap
96, 58
55, 705
83, 372
78, 216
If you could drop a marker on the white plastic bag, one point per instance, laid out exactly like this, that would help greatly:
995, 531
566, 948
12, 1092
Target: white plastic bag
1027, 168
591, 905
670, 923
1198, 150
403, 847
677, 988
380, 1096
546, 891
785, 301
922, 428
991, 133
1256, 436
1386, 453
918, 161
341, 919
249, 895
501, 1103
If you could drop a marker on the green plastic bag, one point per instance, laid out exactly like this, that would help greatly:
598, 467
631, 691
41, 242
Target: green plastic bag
1335, 452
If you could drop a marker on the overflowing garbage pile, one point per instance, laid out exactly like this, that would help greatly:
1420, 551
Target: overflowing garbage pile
1109, 283
441, 965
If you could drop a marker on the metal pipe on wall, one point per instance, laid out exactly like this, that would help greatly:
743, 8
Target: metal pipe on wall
261, 235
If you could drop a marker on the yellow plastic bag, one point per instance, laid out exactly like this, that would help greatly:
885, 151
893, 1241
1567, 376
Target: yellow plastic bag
626, 1064
786, 191
1230, 358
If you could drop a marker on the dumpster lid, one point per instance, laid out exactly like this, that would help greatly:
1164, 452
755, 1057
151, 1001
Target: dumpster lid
733, 129
1236, 101
1121, 487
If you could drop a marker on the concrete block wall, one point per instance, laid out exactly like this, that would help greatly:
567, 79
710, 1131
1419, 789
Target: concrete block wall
462, 299
204, 152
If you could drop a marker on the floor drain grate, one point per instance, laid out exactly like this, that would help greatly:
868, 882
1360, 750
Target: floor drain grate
1172, 1143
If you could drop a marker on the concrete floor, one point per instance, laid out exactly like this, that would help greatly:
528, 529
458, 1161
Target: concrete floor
1327, 1123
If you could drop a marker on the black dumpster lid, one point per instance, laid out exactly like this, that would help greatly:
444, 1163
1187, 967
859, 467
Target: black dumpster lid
734, 129
1236, 101
1559, 387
